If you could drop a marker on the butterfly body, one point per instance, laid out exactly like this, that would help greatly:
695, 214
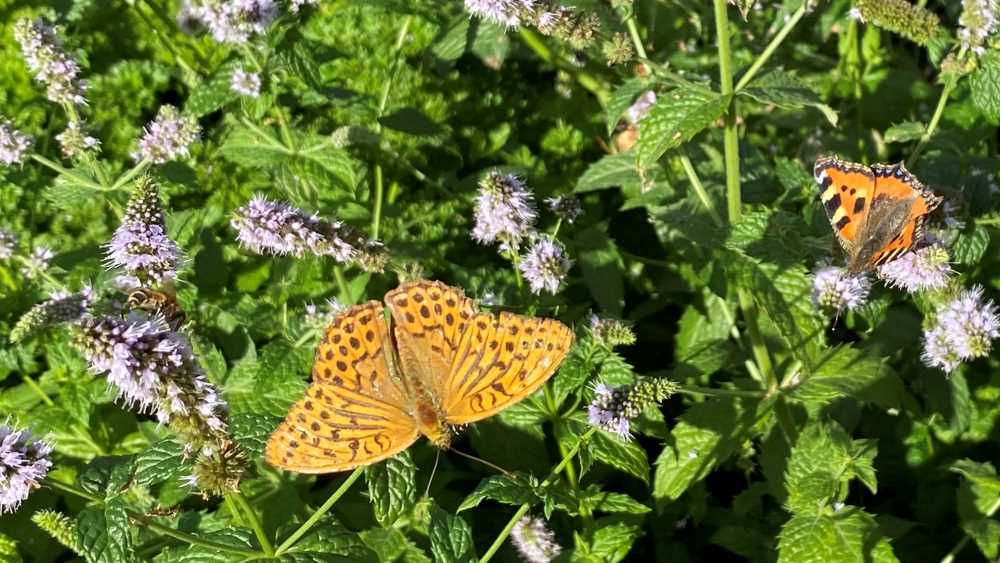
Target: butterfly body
443, 364
877, 212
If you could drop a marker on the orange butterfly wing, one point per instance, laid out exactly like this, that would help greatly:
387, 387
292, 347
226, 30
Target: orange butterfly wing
500, 361
894, 184
355, 412
846, 189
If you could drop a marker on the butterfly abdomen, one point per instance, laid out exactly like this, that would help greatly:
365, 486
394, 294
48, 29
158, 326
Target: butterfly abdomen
432, 425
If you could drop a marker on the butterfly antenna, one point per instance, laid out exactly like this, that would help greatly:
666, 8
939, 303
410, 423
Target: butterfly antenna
484, 462
427, 491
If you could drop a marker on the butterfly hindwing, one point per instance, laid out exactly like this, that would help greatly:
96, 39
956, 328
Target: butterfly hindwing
354, 413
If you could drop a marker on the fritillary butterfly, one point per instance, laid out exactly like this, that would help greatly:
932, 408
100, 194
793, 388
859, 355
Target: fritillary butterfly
374, 392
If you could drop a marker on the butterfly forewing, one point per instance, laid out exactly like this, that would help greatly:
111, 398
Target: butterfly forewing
354, 413
501, 361
897, 224
846, 190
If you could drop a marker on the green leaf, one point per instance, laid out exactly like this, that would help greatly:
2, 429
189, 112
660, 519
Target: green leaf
983, 479
392, 487
299, 61
252, 430
391, 545
491, 43
675, 119
603, 501
602, 266
624, 456
159, 462
213, 92
702, 341
108, 475
237, 538
104, 533
841, 372
784, 90
707, 434
970, 245
454, 39
500, 488
846, 536
8, 550
824, 460
451, 537
253, 148
985, 84
611, 542
905, 132
610, 171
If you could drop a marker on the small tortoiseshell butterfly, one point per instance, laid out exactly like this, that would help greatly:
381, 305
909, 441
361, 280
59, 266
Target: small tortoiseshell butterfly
877, 211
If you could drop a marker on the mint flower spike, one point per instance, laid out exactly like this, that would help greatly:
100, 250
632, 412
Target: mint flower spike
36, 263
913, 22
62, 307
545, 266
236, 21
924, 269
534, 541
978, 20
610, 332
505, 211
614, 409
501, 12
962, 330
168, 137
566, 207
835, 290
271, 227
14, 145
74, 141
140, 245
24, 463
44, 54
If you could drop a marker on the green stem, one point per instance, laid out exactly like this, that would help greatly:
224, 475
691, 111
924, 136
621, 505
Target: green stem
699, 189
932, 126
772, 46
633, 32
66, 172
285, 545
345, 292
125, 178
786, 422
568, 457
729, 134
253, 520
711, 392
760, 353
965, 539
591, 83
158, 528
266, 136
377, 203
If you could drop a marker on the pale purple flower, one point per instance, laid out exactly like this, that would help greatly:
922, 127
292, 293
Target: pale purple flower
545, 265
24, 463
505, 211
834, 289
37, 262
74, 141
608, 411
153, 370
318, 318
236, 21
277, 228
503, 12
855, 14
534, 541
641, 107
14, 145
45, 56
566, 207
8, 243
140, 245
963, 329
978, 20
923, 269
168, 137
245, 83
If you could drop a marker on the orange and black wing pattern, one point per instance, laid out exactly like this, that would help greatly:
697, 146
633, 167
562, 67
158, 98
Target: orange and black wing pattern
846, 190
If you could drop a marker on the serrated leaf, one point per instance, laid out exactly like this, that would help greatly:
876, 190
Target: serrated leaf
609, 172
392, 487
602, 269
502, 489
985, 85
841, 372
675, 119
108, 475
253, 148
604, 501
391, 545
904, 132
824, 458
161, 461
707, 434
236, 538
702, 341
104, 533
251, 431
846, 536
213, 92
451, 537
612, 542
625, 456
454, 39
970, 246
786, 91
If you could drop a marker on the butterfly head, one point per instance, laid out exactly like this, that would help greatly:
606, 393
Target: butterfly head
433, 425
